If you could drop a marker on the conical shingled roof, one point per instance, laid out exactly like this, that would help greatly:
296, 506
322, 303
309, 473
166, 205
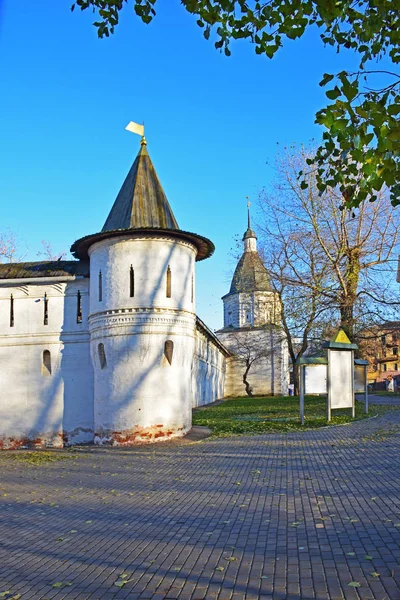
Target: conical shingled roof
142, 208
141, 201
250, 275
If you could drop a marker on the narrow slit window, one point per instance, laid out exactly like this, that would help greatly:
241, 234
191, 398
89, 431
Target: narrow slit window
100, 286
46, 363
169, 282
131, 282
79, 307
102, 356
45, 310
169, 350
11, 311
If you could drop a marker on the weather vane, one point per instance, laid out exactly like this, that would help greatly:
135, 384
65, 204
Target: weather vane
138, 129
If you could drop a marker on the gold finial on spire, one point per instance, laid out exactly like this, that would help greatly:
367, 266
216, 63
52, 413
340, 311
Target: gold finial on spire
248, 212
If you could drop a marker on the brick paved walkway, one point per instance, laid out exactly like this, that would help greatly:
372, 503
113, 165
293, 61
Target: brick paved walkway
272, 516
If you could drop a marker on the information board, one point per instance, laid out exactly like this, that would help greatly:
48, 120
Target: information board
315, 376
341, 375
359, 379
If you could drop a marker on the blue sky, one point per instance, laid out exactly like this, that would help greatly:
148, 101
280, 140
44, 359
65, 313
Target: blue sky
212, 124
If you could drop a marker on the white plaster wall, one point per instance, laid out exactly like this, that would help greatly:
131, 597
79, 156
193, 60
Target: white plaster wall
34, 406
150, 258
255, 309
267, 375
209, 368
138, 394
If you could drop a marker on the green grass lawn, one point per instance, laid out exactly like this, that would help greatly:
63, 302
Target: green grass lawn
272, 414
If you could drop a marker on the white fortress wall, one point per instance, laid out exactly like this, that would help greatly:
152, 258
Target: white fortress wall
46, 379
209, 366
267, 374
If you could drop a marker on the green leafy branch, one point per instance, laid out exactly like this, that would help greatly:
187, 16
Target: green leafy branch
360, 149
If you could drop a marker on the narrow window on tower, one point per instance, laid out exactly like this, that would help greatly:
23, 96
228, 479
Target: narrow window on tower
169, 350
11, 311
79, 307
131, 282
169, 282
45, 310
100, 286
46, 363
102, 356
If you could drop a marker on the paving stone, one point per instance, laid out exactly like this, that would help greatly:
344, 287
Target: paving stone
309, 508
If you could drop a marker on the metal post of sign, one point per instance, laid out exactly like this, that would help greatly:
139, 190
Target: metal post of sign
353, 408
302, 385
366, 391
328, 383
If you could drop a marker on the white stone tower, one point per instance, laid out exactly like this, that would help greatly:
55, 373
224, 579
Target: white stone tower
252, 330
251, 301
142, 313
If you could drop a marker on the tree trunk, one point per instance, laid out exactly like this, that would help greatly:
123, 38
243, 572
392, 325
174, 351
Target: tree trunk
349, 295
246, 383
347, 318
296, 379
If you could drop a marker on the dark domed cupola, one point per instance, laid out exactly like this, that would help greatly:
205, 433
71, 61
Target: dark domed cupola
251, 300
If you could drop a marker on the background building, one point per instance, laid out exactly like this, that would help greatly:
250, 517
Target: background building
252, 331
380, 345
